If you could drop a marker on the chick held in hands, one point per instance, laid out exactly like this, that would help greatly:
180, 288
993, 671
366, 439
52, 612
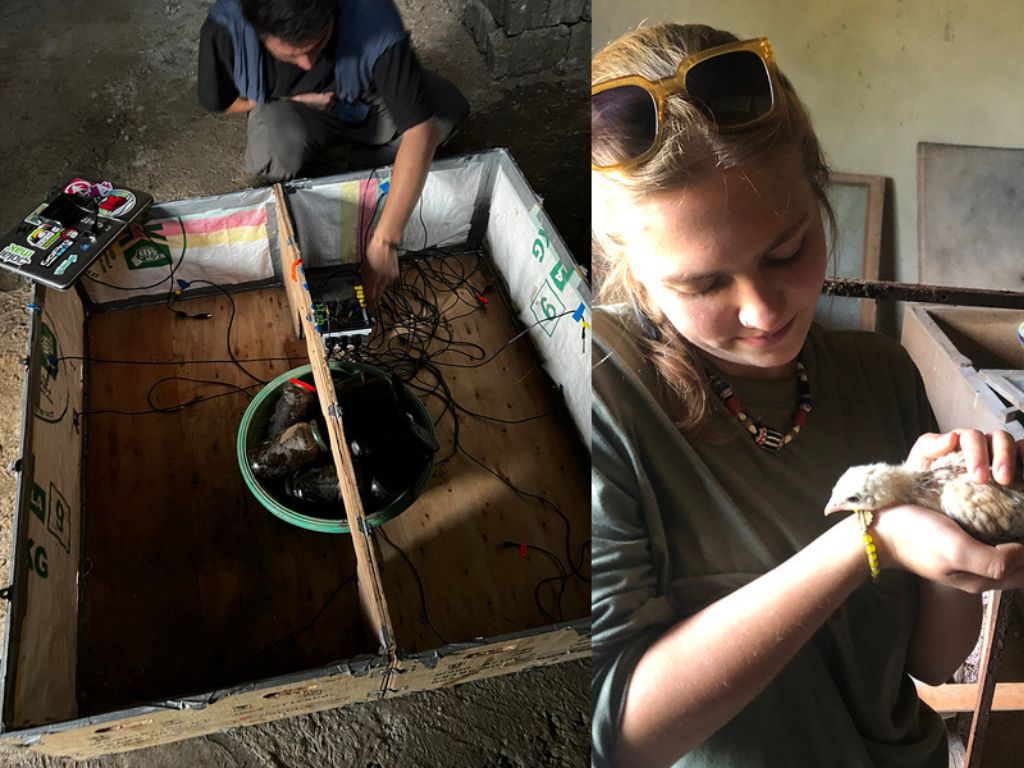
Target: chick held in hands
990, 512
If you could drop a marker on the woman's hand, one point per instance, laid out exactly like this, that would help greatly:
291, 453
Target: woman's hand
996, 450
934, 547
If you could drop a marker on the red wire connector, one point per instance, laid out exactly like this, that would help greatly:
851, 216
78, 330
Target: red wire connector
303, 384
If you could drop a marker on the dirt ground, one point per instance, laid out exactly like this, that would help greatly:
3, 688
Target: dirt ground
108, 88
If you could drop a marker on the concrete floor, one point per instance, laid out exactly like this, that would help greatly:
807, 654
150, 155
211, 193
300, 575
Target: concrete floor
108, 87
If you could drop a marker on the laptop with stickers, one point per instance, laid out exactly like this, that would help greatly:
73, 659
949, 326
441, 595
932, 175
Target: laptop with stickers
79, 219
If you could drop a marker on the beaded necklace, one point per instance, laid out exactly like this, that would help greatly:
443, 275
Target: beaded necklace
767, 438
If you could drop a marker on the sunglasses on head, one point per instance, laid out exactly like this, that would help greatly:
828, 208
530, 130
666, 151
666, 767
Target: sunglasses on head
733, 85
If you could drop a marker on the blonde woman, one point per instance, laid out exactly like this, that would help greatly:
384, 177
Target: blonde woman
734, 625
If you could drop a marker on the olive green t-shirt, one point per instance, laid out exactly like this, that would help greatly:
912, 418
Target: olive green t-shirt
680, 522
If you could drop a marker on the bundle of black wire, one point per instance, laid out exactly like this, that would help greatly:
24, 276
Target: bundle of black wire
413, 329
416, 339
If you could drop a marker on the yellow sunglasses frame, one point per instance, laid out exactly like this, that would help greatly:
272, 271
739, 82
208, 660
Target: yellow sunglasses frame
675, 83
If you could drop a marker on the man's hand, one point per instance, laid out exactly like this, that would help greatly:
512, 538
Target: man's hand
241, 106
322, 101
379, 268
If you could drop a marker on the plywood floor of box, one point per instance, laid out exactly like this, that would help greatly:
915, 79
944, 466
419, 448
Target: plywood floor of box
468, 575
189, 584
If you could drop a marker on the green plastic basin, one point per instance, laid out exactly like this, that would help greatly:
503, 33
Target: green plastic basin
253, 427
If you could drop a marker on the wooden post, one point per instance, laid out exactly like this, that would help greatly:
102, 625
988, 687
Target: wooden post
371, 590
997, 613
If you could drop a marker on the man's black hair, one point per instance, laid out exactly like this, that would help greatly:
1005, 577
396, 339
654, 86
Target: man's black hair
294, 21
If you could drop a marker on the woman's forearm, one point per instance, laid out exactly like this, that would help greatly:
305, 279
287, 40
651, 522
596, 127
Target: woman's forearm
733, 648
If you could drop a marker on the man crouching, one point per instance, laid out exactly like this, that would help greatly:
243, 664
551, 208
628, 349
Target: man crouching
316, 73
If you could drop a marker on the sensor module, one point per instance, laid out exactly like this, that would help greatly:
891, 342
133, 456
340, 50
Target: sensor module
340, 313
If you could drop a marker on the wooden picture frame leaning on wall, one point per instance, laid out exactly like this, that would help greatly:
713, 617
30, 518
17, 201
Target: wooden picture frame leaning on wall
858, 201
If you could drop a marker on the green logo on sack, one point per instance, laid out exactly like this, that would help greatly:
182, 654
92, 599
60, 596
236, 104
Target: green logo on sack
53, 396
48, 346
548, 309
55, 515
37, 503
146, 254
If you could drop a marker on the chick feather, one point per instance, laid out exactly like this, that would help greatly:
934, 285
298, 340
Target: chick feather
988, 511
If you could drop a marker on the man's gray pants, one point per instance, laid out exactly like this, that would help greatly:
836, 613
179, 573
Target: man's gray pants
283, 136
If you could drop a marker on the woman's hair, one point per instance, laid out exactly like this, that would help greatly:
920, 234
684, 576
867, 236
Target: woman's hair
692, 149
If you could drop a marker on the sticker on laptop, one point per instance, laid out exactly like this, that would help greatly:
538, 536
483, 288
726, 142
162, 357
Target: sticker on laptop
65, 265
78, 187
57, 253
33, 218
16, 254
44, 236
85, 188
116, 203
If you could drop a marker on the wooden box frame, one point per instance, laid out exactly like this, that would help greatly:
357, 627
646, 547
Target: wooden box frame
395, 657
940, 339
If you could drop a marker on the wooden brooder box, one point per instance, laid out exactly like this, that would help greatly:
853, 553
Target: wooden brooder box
965, 355
152, 599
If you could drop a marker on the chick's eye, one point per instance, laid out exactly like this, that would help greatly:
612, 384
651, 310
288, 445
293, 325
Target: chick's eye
853, 498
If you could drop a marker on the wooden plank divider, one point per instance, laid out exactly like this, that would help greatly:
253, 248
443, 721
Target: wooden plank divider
370, 585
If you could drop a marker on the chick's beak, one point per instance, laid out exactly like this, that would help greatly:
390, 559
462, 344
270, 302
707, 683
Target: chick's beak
838, 505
